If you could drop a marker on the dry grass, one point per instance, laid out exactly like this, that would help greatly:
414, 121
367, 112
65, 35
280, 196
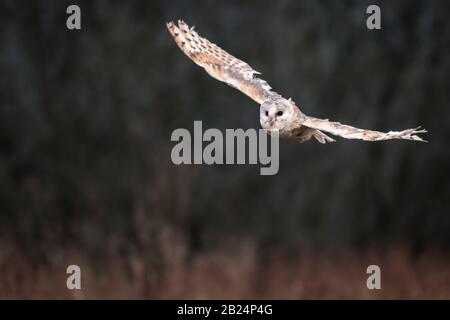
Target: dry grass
225, 274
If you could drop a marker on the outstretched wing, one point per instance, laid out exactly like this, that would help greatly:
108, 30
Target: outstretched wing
219, 63
350, 132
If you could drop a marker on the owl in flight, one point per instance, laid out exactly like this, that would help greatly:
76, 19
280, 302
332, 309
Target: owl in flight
277, 114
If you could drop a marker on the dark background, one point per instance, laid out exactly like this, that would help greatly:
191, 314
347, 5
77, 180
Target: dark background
86, 176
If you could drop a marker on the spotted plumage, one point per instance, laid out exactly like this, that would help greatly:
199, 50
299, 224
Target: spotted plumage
219, 63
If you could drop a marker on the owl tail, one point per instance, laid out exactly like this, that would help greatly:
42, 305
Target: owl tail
322, 137
308, 133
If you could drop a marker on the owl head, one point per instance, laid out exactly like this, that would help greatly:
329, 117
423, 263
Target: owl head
277, 113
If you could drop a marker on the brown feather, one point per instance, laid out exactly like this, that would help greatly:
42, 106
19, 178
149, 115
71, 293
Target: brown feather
219, 63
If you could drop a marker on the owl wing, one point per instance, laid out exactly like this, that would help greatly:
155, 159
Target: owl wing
219, 63
350, 132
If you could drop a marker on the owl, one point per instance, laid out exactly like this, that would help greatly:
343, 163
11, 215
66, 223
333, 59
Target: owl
277, 115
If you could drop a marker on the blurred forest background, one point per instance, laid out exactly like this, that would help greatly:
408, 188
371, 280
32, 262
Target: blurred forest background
86, 176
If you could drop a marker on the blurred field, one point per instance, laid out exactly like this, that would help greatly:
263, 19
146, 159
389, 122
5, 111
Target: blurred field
229, 273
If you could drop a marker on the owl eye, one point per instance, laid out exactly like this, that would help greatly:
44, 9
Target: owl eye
279, 113
267, 113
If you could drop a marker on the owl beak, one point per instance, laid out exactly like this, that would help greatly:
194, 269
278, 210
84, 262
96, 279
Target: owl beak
271, 120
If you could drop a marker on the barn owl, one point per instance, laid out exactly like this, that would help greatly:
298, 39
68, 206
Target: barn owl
277, 115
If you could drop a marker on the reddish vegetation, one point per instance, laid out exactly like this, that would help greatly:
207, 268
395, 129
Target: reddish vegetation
224, 274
